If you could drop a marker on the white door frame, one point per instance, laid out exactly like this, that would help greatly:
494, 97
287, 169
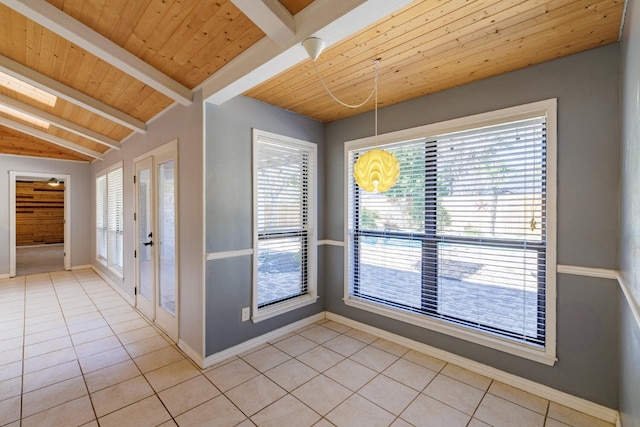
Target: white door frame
38, 176
173, 331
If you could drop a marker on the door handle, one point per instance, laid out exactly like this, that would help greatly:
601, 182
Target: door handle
149, 243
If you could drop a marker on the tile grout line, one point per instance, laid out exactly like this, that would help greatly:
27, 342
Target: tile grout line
24, 337
59, 287
125, 349
143, 374
480, 402
352, 392
421, 392
485, 391
289, 393
77, 359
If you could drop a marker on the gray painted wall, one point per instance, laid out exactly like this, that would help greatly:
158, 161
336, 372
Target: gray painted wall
80, 203
586, 86
229, 214
185, 124
629, 220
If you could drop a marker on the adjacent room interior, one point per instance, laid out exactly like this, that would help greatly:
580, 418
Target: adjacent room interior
39, 226
335, 212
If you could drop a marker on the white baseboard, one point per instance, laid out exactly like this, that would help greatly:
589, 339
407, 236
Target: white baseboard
191, 353
573, 402
81, 267
128, 298
257, 341
5, 276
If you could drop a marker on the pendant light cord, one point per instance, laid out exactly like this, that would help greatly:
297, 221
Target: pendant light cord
375, 89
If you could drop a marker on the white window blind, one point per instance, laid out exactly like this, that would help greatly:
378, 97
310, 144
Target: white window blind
109, 218
101, 217
115, 219
462, 237
284, 219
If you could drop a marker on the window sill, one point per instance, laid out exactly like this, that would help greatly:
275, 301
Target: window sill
283, 307
467, 334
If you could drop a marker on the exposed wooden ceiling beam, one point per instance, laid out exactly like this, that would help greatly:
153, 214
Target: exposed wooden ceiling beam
49, 138
70, 94
331, 20
272, 18
59, 122
76, 32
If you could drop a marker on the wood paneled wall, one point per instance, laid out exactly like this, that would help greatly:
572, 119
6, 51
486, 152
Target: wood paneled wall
39, 213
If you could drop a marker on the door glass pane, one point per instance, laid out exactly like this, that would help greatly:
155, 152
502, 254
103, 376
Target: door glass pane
144, 229
167, 237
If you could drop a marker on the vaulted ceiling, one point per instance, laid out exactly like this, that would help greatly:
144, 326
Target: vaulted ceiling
113, 65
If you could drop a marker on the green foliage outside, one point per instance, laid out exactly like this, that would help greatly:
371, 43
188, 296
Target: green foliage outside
409, 192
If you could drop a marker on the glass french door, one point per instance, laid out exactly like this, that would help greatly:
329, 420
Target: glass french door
156, 240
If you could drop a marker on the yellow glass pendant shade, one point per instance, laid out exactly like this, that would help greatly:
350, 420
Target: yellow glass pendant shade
376, 170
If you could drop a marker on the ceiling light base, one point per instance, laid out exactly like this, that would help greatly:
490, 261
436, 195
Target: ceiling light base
314, 47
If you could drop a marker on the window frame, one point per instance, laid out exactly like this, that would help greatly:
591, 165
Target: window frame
101, 230
544, 354
107, 260
308, 234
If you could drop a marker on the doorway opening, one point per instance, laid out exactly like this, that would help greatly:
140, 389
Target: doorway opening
39, 230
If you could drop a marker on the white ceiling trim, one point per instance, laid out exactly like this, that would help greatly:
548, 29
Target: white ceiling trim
49, 138
76, 32
59, 122
272, 18
70, 94
331, 20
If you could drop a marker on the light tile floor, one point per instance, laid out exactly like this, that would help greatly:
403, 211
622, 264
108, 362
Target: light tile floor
73, 352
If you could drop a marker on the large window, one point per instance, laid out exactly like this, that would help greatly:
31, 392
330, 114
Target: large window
109, 218
284, 215
463, 243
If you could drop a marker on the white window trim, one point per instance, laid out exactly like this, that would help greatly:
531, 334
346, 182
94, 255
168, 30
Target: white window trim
101, 259
546, 355
258, 315
104, 261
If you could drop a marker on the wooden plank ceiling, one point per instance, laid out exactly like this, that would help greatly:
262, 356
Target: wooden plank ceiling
430, 46
425, 46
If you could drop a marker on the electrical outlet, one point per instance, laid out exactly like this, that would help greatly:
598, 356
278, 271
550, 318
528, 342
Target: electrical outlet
245, 314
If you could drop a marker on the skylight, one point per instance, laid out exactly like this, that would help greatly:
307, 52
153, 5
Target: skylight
26, 89
24, 117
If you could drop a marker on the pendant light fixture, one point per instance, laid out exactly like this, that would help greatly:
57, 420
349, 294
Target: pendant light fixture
376, 170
